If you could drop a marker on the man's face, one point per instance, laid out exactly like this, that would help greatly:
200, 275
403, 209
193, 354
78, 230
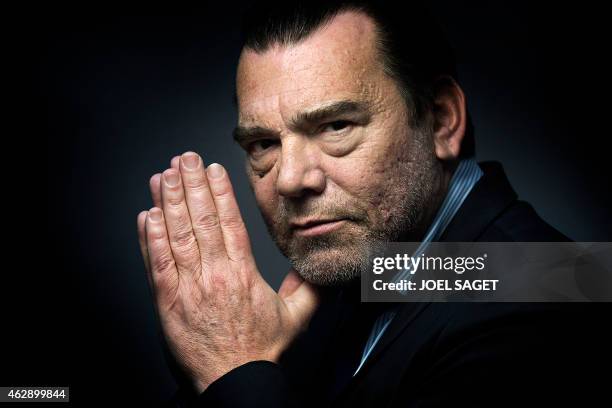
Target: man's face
335, 166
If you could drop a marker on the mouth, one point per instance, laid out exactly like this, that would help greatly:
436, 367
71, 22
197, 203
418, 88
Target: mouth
317, 227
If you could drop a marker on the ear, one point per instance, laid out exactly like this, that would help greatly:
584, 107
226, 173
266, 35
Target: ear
449, 112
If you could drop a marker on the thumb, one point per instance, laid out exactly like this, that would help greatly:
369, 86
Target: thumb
301, 298
291, 282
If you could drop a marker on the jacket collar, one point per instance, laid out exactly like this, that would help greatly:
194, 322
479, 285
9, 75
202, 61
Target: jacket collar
487, 200
491, 195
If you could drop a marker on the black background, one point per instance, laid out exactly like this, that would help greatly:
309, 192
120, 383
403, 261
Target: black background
122, 92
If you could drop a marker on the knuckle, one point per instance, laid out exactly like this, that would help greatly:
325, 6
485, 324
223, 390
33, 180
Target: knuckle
166, 288
207, 221
245, 278
218, 282
232, 222
163, 264
221, 187
174, 200
156, 234
195, 181
183, 238
221, 190
179, 219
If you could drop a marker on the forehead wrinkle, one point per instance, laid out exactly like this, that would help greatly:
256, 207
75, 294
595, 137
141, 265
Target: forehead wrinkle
369, 95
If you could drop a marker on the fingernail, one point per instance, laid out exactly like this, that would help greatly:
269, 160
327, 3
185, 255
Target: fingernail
155, 214
215, 170
190, 160
171, 178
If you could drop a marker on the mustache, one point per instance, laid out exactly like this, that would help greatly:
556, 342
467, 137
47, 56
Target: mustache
331, 209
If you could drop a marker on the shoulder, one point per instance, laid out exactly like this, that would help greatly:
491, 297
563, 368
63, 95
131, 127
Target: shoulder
492, 212
519, 222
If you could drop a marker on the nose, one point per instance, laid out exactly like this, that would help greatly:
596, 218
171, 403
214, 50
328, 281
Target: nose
300, 172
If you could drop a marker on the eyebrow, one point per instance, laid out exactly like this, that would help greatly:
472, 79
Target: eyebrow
243, 134
328, 111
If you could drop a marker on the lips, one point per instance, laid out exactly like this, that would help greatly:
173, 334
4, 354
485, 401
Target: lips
311, 222
317, 227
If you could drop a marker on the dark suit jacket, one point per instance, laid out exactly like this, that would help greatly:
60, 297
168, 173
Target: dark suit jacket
440, 354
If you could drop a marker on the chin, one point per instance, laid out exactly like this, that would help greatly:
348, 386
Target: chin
335, 266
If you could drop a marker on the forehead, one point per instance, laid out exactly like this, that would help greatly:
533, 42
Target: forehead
337, 61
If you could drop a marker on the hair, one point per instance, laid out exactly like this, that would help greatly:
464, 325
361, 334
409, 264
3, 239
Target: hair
412, 45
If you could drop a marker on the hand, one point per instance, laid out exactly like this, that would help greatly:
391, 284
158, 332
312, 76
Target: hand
216, 310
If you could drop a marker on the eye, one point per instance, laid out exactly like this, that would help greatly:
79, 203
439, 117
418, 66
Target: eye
260, 146
336, 126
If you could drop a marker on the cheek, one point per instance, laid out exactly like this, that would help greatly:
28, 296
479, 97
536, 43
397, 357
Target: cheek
367, 169
385, 181
374, 174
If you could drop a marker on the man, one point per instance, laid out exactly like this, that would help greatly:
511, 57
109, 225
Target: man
356, 133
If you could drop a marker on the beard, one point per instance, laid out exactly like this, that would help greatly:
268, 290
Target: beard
333, 258
342, 255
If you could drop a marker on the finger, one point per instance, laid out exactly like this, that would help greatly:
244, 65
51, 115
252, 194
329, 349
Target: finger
178, 223
164, 273
142, 239
234, 231
204, 217
174, 163
155, 187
